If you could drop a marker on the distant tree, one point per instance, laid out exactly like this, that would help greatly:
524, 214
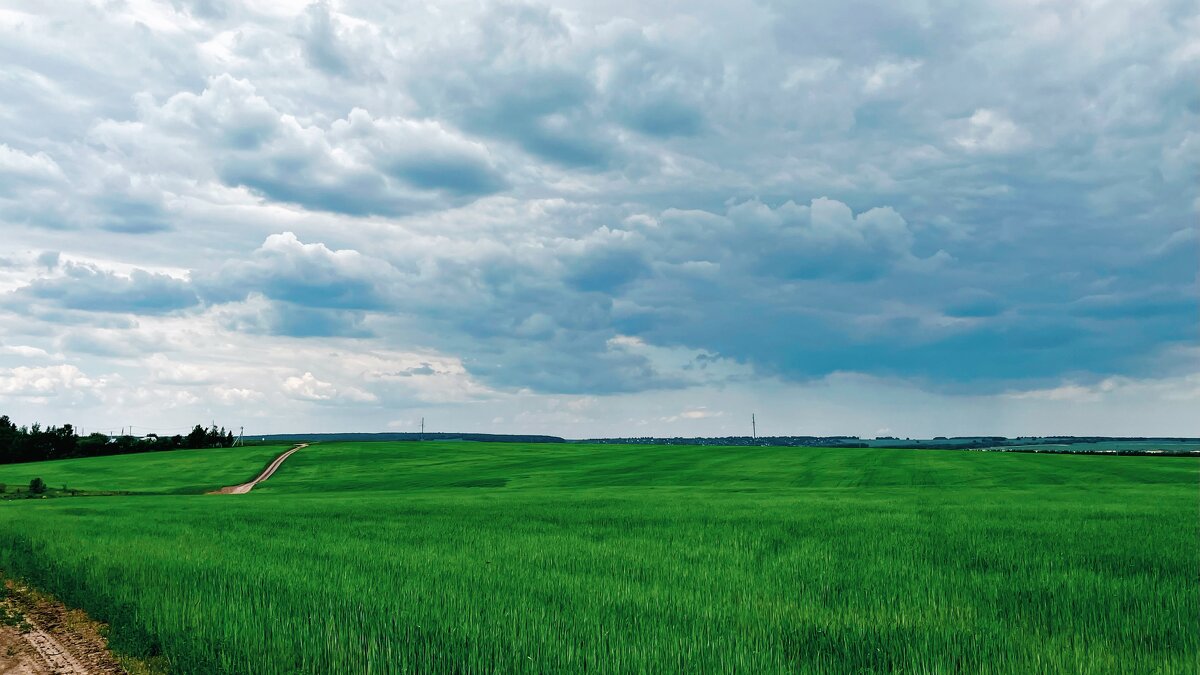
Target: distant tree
197, 438
37, 486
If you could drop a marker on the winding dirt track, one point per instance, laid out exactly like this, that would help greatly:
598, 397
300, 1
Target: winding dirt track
246, 487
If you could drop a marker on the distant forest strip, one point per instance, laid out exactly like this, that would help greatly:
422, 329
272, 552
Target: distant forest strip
413, 436
1108, 445
35, 443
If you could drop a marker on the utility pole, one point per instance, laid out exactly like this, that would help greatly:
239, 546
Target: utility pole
753, 427
422, 428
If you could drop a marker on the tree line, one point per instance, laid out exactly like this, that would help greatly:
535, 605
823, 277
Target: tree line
36, 443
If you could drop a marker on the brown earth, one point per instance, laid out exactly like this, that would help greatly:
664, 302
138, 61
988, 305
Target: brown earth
41, 636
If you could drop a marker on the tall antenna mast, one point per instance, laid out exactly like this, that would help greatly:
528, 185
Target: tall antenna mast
239, 440
422, 428
753, 427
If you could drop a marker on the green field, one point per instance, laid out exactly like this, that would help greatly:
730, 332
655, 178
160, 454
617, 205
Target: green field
482, 558
177, 471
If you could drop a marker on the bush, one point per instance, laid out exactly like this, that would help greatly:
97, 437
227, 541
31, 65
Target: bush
37, 486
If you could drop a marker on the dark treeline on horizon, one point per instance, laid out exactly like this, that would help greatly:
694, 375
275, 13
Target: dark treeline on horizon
36, 443
1044, 444
733, 441
412, 436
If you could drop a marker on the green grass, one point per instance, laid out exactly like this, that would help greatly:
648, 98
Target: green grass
1135, 446
399, 466
481, 558
176, 471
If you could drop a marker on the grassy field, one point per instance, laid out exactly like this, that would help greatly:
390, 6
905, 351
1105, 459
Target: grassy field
1122, 446
480, 558
176, 471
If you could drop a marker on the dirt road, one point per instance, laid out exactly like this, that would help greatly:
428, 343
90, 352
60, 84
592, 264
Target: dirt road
246, 487
41, 636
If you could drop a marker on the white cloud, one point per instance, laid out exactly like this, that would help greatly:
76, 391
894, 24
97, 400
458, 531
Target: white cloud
17, 166
1112, 389
307, 387
166, 371
693, 414
888, 74
45, 380
25, 351
809, 72
358, 165
237, 395
991, 131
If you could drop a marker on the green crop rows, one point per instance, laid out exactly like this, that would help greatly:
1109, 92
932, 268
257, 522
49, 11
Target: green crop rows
501, 558
177, 471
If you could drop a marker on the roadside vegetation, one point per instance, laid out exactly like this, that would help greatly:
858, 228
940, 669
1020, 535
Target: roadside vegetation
470, 557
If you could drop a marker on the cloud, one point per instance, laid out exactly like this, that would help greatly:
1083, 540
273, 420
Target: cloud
110, 341
165, 371
234, 396
308, 388
599, 200
308, 275
25, 351
517, 73
566, 93
260, 316
319, 37
1115, 388
48, 259
359, 165
693, 414
45, 381
990, 131
35, 190
17, 168
87, 288
605, 260
887, 74
974, 303
856, 29
801, 241
414, 371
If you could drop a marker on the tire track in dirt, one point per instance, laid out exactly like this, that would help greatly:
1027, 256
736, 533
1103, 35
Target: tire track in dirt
41, 636
271, 468
60, 660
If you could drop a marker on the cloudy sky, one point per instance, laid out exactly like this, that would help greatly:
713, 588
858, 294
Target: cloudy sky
618, 218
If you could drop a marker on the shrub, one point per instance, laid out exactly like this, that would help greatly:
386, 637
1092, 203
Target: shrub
37, 486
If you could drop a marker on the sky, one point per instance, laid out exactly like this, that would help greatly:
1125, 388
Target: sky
602, 219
